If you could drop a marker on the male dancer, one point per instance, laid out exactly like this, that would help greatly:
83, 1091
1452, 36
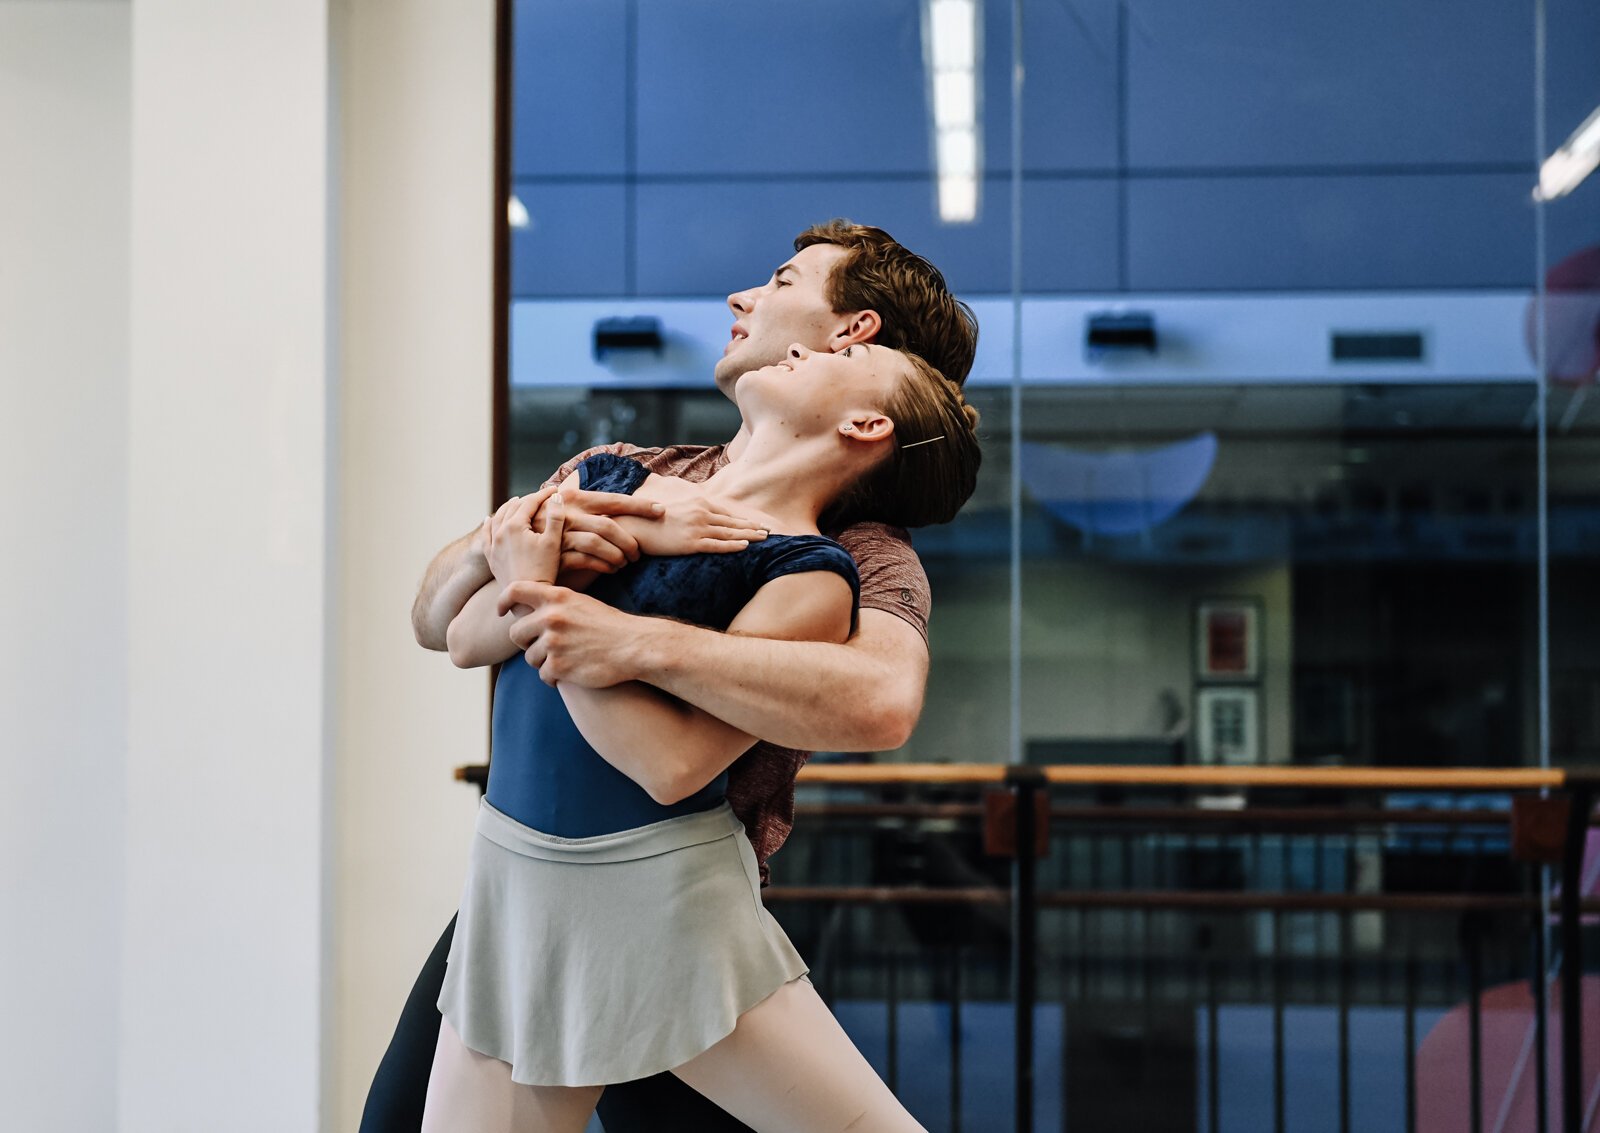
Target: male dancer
845, 284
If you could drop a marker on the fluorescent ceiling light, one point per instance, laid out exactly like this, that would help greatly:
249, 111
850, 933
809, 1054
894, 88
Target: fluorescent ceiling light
951, 41
955, 39
958, 153
517, 213
955, 99
1564, 170
958, 199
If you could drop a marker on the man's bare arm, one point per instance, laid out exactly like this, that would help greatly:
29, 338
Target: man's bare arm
456, 573
671, 748
864, 695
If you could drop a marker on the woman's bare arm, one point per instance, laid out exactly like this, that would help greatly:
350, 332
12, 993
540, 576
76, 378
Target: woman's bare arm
478, 635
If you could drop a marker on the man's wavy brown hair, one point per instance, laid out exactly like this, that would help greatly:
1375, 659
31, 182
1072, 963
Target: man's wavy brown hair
909, 294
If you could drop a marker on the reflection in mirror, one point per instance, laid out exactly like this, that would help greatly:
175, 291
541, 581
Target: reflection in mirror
1358, 420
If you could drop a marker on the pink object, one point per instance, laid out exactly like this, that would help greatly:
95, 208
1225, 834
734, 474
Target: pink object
1509, 1067
1572, 319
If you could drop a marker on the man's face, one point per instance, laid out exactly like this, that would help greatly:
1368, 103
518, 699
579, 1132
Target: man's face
790, 307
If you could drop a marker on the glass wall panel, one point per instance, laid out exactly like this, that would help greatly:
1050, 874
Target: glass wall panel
710, 134
1291, 456
1569, 352
1280, 470
1323, 400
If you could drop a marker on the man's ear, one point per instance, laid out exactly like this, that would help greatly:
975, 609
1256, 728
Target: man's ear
863, 326
872, 428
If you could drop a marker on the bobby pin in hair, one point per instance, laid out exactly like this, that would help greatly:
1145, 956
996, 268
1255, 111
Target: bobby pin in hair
929, 441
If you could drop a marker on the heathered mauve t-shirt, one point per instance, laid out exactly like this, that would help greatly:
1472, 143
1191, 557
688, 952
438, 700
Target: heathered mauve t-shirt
761, 782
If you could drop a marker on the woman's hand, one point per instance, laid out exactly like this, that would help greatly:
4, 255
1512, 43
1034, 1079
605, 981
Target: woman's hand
518, 553
698, 526
479, 543
598, 535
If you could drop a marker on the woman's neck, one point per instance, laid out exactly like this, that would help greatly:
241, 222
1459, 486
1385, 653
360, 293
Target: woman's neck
791, 480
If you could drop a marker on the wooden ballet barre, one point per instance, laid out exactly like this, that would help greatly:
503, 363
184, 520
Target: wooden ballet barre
903, 773
1124, 775
1111, 775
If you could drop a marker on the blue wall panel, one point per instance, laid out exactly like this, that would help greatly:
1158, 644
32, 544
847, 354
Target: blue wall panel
1573, 221
1070, 111
569, 87
576, 244
1071, 236
739, 88
828, 86
753, 120
1572, 64
710, 238
1574, 92
1240, 233
1249, 83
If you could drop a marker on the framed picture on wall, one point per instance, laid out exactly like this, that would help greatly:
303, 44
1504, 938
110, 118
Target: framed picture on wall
1228, 725
1228, 639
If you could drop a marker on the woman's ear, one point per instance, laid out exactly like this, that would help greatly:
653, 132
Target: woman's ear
863, 326
872, 428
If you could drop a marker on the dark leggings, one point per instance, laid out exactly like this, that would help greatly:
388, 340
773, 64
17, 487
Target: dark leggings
662, 1104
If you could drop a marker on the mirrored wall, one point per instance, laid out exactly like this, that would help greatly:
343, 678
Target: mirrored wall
1285, 459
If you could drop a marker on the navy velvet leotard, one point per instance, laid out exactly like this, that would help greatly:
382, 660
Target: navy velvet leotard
543, 773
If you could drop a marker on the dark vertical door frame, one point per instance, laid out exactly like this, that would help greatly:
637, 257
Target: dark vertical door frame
499, 462
500, 475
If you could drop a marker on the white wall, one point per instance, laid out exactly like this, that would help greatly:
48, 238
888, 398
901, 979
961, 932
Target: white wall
229, 491
417, 81
235, 430
1101, 648
310, 413
63, 610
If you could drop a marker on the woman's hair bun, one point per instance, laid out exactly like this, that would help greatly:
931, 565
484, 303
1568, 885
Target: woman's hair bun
933, 467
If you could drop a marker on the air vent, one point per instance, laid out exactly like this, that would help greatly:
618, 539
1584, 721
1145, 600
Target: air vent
1119, 333
638, 332
1376, 346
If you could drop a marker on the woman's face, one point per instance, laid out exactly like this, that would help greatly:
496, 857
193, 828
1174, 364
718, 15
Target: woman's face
814, 390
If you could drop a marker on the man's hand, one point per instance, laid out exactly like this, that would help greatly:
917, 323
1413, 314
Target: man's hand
569, 636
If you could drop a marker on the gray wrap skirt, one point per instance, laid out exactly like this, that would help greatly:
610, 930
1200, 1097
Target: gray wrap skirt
589, 961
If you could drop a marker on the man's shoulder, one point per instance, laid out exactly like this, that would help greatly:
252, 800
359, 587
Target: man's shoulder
892, 577
873, 538
687, 462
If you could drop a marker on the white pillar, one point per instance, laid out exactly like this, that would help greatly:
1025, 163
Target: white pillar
229, 499
63, 557
416, 91
240, 429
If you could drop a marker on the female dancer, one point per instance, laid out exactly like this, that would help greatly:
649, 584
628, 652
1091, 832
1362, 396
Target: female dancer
612, 926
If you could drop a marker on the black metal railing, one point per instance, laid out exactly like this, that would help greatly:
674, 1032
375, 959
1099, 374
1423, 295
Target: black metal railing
1155, 917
